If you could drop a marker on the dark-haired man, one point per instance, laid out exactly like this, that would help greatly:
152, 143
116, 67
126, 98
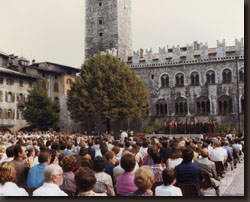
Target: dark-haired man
187, 172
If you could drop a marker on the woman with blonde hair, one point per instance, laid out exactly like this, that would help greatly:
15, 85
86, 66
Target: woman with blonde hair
8, 186
144, 179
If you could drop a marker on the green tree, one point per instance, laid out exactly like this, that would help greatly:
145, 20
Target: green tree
40, 111
107, 89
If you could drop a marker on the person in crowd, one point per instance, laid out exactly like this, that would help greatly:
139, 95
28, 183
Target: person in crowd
116, 149
175, 157
69, 164
137, 154
125, 183
209, 168
111, 163
9, 154
147, 160
68, 151
165, 150
91, 150
22, 167
35, 176
144, 179
158, 166
53, 178
187, 172
8, 186
104, 182
85, 182
2, 153
168, 188
144, 149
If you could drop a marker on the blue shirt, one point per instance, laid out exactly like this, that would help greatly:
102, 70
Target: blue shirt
36, 176
67, 153
109, 169
188, 173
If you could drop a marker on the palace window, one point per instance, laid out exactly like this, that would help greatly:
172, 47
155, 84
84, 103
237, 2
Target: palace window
10, 82
161, 108
1, 80
210, 77
21, 83
242, 104
179, 80
227, 76
165, 81
203, 106
1, 113
225, 105
181, 106
241, 75
195, 79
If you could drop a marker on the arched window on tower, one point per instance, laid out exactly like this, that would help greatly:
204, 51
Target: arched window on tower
181, 106
225, 105
242, 104
164, 81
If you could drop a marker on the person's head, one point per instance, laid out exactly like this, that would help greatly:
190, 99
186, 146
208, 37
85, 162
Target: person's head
187, 154
69, 163
144, 178
44, 157
169, 176
7, 173
2, 151
90, 143
53, 174
69, 146
83, 151
99, 164
110, 157
103, 148
127, 144
176, 153
9, 151
128, 162
20, 151
116, 149
156, 156
30, 151
85, 179
204, 153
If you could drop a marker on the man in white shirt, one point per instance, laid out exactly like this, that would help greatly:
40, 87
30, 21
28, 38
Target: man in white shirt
218, 153
124, 134
53, 178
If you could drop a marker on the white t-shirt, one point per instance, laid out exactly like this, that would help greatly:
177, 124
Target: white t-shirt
169, 190
218, 154
124, 134
11, 189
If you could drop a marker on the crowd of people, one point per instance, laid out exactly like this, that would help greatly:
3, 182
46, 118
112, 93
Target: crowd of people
60, 164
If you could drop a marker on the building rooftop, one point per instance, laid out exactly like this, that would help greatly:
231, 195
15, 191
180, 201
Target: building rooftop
12, 72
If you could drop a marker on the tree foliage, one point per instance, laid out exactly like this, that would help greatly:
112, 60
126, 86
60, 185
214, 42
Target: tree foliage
40, 111
108, 89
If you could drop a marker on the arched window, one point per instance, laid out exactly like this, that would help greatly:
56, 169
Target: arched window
44, 84
164, 81
69, 81
56, 99
1, 113
161, 108
9, 114
195, 81
242, 104
56, 87
181, 106
9, 98
241, 75
202, 106
227, 76
1, 96
210, 77
179, 79
225, 105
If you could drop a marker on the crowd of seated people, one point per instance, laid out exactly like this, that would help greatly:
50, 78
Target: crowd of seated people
60, 164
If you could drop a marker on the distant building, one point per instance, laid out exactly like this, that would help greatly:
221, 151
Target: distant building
17, 76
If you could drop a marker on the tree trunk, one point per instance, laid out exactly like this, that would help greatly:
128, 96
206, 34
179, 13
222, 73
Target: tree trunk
108, 126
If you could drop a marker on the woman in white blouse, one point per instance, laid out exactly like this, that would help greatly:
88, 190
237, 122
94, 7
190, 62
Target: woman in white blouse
175, 157
7, 181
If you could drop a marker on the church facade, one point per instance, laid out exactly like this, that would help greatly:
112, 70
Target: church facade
191, 83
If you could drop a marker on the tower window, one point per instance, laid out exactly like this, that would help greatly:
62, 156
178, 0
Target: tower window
100, 34
100, 4
152, 77
100, 22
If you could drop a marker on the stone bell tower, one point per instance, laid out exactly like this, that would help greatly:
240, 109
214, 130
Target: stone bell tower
108, 26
